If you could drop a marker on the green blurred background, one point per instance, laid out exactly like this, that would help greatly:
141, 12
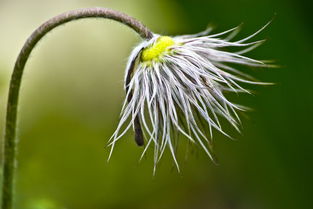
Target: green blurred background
73, 89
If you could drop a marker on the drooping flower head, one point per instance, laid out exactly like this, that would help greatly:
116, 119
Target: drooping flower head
178, 85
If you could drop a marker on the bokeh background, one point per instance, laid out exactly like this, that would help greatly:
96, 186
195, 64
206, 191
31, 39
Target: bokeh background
73, 89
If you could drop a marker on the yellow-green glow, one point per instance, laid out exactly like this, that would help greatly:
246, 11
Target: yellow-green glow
158, 48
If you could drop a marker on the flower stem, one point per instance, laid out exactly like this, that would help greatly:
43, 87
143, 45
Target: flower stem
10, 142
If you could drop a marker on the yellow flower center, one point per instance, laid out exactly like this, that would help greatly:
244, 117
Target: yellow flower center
157, 49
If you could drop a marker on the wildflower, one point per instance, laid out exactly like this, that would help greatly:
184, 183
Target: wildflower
178, 85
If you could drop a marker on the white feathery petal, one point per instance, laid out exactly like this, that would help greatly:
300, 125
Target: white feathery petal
181, 89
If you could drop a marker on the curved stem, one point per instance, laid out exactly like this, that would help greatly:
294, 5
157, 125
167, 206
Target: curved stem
10, 126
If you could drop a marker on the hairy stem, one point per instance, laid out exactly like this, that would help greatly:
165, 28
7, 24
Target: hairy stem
9, 147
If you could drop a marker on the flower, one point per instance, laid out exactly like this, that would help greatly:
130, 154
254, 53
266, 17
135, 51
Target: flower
178, 85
